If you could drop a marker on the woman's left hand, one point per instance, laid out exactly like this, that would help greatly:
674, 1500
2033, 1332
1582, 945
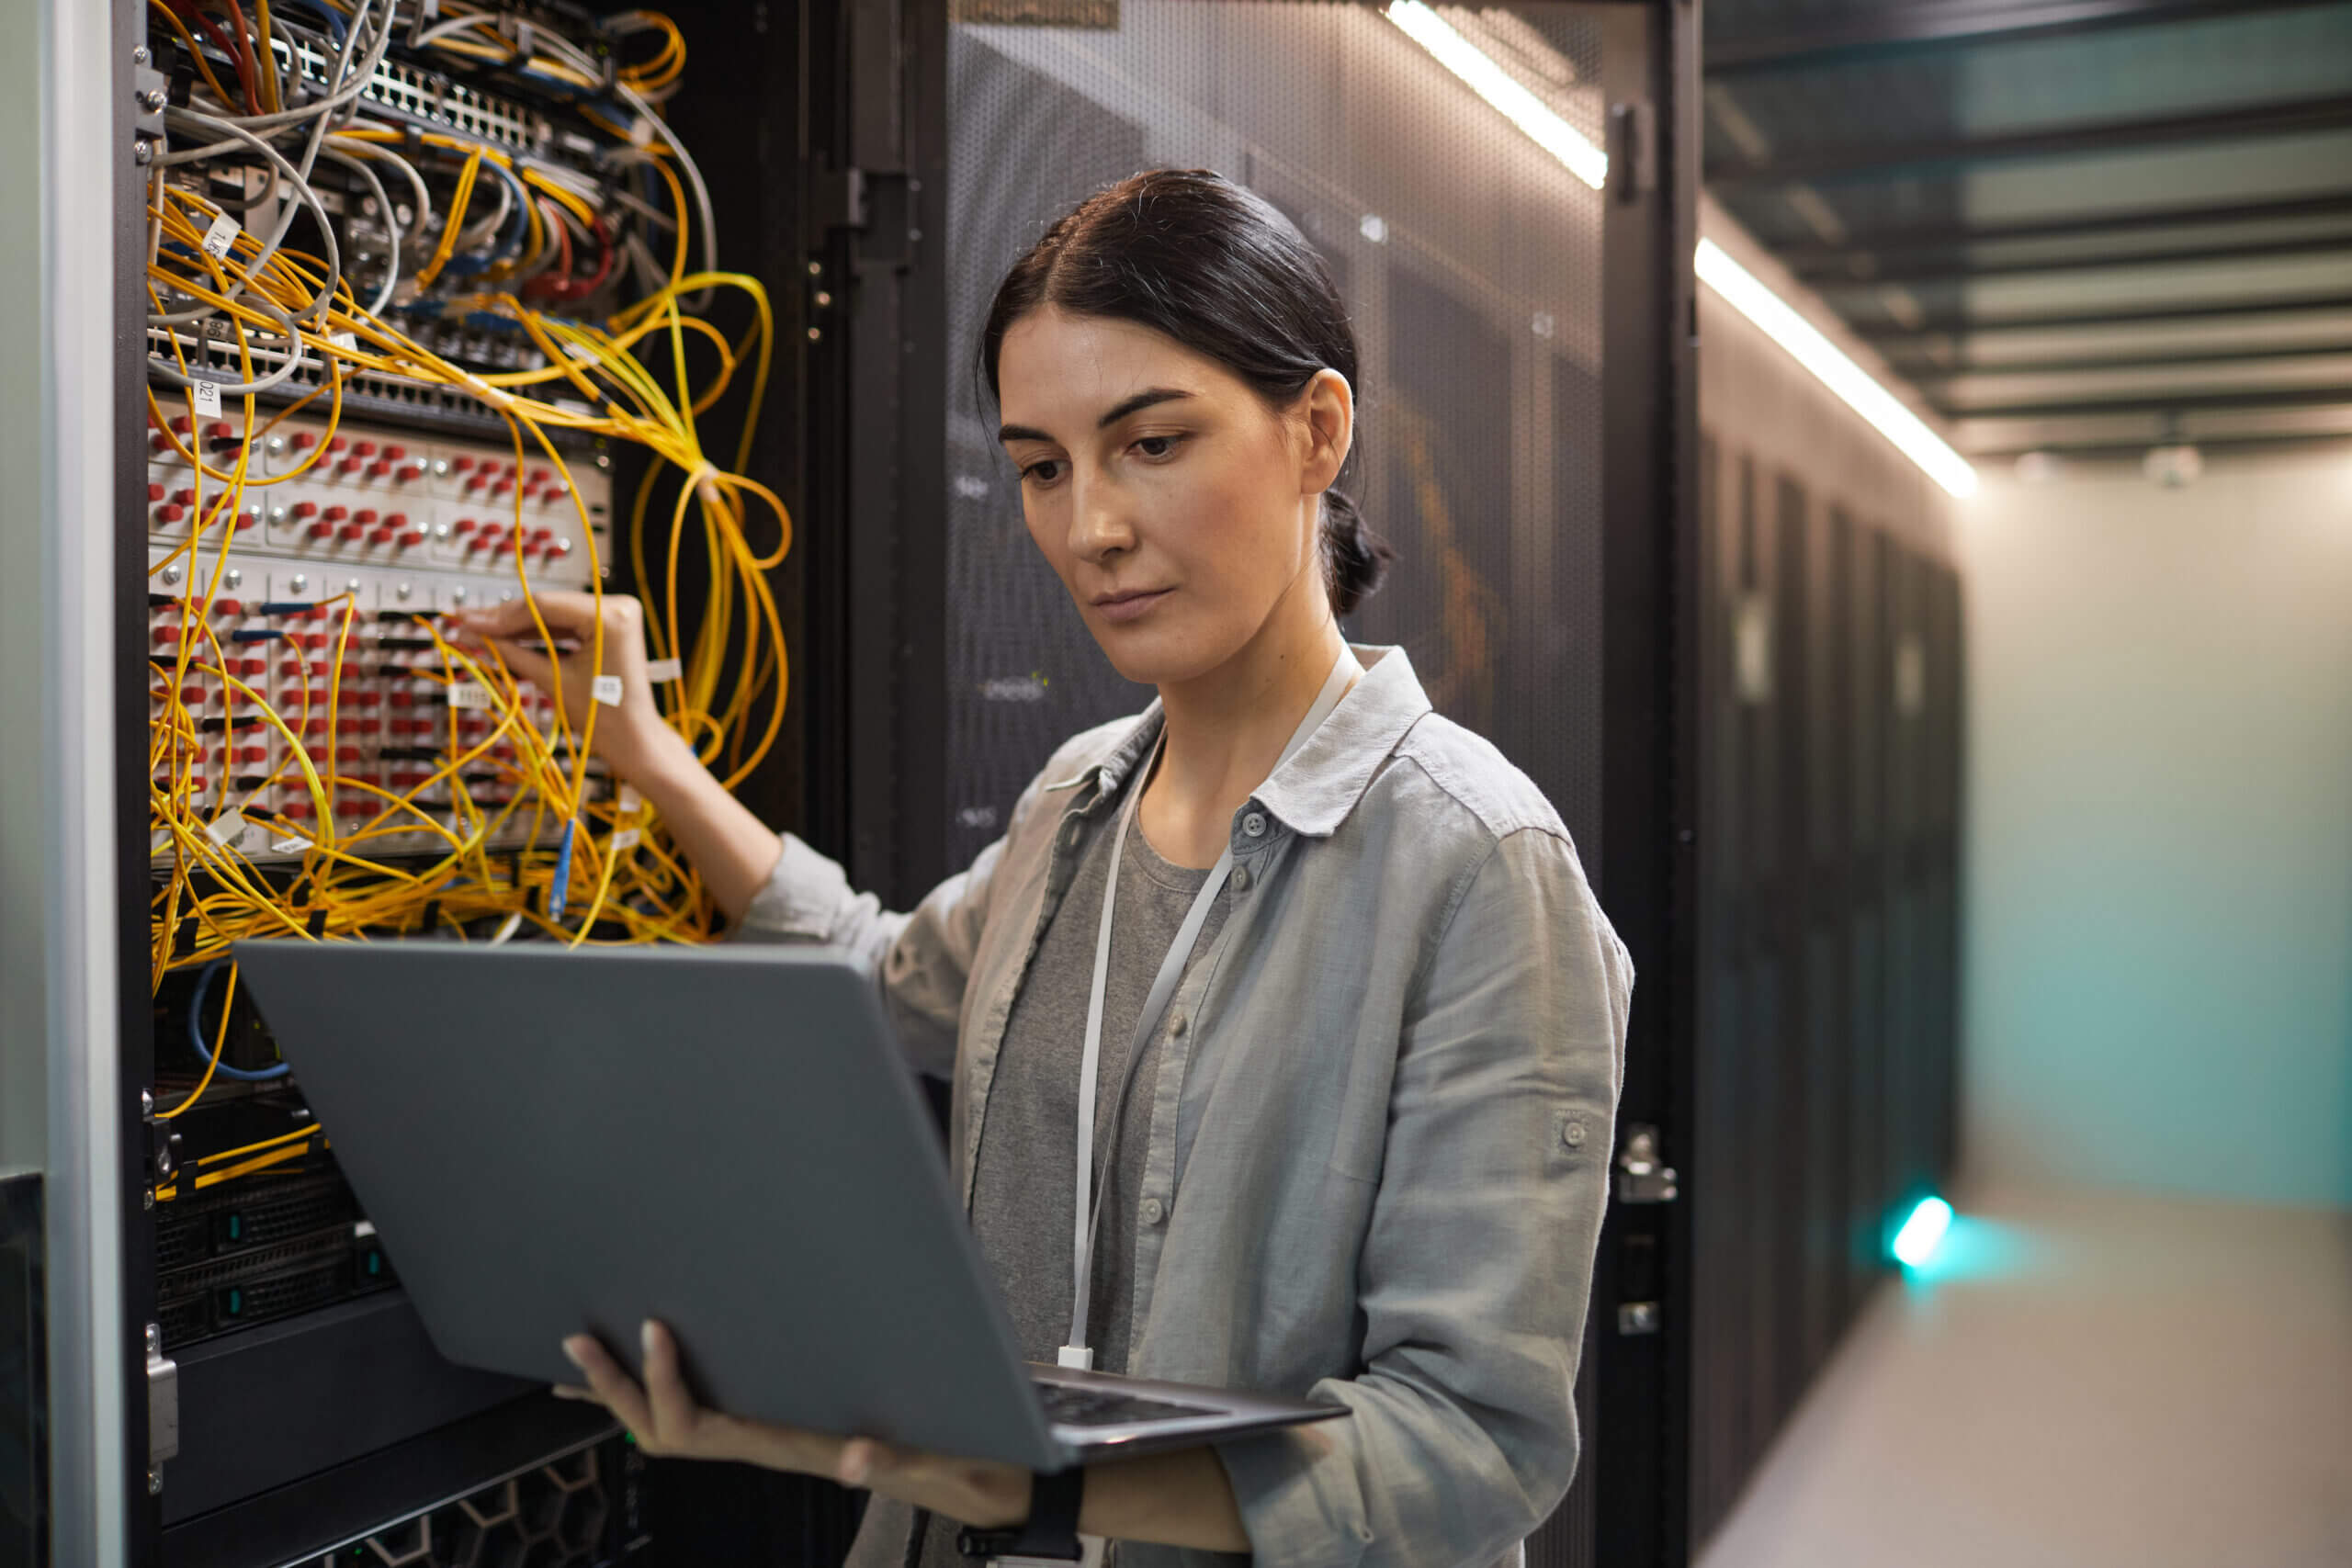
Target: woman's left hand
668, 1423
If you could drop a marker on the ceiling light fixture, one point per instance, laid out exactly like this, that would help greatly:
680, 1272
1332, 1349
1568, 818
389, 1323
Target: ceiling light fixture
1751, 298
1499, 87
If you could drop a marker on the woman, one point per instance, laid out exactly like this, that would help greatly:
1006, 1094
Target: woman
1358, 1153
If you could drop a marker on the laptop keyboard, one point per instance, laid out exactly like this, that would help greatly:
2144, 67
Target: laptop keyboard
1068, 1404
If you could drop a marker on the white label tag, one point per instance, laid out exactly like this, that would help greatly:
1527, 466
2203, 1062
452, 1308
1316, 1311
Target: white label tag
288, 846
660, 669
629, 801
208, 398
640, 132
344, 340
228, 829
469, 694
220, 236
606, 689
626, 839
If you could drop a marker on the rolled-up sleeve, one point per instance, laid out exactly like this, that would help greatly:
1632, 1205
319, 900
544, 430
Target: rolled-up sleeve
1477, 1262
921, 960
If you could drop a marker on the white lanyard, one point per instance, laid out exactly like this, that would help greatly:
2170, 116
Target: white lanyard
1078, 1352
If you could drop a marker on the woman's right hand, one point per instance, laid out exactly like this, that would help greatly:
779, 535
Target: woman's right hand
629, 736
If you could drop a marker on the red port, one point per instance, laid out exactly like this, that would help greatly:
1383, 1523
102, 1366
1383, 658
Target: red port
302, 440
185, 496
378, 469
322, 530
462, 527
395, 451
181, 425
253, 753
351, 531
306, 509
159, 442
228, 608
363, 449
363, 699
222, 431
296, 810
246, 519
461, 464
337, 514
365, 515
154, 492
169, 513
334, 443
167, 634
192, 696
383, 536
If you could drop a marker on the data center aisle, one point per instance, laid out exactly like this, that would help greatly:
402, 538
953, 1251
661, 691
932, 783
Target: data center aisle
2088, 1379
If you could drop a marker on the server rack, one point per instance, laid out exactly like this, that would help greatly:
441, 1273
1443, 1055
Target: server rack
1824, 716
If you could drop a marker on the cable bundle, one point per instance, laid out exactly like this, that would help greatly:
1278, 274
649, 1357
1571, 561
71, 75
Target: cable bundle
434, 226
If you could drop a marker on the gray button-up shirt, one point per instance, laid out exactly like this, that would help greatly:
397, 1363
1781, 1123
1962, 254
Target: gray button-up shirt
1378, 1154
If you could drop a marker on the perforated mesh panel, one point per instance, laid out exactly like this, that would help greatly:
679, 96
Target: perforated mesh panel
1470, 259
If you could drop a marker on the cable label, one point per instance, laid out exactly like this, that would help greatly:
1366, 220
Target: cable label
220, 236
469, 694
606, 689
228, 829
626, 839
628, 802
207, 395
660, 669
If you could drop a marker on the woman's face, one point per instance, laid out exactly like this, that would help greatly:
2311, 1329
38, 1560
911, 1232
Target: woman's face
1180, 511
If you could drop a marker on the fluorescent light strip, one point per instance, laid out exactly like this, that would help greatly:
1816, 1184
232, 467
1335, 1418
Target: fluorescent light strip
1499, 87
1752, 298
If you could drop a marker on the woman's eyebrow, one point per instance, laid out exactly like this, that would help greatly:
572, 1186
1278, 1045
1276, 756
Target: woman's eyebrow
1141, 401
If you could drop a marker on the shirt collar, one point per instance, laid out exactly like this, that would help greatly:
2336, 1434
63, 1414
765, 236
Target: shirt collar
1314, 790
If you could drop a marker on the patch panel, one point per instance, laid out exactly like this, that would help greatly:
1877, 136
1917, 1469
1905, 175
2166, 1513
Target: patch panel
357, 496
367, 694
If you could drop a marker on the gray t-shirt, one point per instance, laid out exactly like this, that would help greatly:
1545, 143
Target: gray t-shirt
1021, 1187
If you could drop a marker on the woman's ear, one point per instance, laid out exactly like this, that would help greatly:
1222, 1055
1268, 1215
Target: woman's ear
1330, 405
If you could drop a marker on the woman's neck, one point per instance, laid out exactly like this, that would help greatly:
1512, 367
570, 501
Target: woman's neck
1225, 729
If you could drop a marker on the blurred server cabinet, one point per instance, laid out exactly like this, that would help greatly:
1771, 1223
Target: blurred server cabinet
1826, 710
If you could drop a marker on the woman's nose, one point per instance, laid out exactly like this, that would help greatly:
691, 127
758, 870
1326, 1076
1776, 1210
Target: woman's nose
1098, 520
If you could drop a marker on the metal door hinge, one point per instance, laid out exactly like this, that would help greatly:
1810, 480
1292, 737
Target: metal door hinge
1642, 1178
163, 1408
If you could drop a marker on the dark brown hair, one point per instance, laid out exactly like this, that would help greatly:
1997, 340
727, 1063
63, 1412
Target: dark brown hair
1191, 254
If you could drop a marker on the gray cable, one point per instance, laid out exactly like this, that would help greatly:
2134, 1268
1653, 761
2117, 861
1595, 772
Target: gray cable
301, 177
302, 187
392, 222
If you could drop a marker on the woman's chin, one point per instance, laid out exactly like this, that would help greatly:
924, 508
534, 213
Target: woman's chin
1151, 656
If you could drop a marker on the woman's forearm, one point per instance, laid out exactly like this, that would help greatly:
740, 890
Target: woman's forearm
732, 850
1173, 1499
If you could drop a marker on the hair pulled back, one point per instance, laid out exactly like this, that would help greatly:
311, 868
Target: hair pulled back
1193, 255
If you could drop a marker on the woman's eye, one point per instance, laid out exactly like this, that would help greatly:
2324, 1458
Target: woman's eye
1045, 472
1158, 446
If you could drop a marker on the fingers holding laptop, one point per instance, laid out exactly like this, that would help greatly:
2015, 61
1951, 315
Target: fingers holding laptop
667, 1422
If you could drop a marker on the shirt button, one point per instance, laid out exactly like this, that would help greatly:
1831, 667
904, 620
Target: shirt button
1242, 879
1178, 1023
1254, 825
1572, 1133
1153, 1211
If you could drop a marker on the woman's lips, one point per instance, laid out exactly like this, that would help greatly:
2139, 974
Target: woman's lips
1131, 607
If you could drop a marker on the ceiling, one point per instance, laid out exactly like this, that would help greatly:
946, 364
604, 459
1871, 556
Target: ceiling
2084, 227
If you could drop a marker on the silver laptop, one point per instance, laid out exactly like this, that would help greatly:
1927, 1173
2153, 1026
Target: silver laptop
726, 1139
